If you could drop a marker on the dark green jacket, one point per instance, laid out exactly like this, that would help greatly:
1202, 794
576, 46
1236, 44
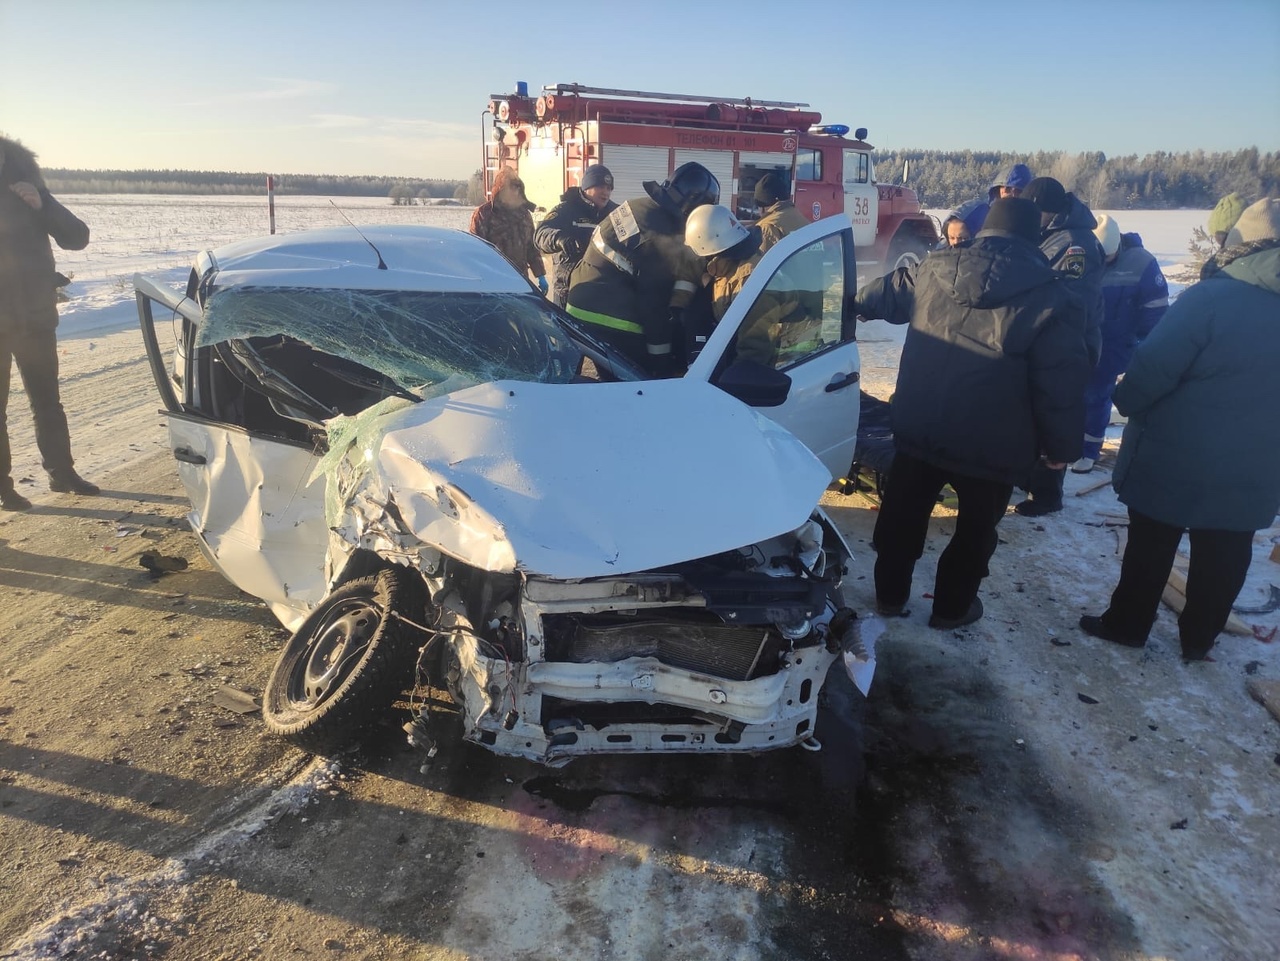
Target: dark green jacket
1202, 394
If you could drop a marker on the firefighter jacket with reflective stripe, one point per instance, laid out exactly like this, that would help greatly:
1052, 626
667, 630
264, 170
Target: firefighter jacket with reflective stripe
636, 270
565, 233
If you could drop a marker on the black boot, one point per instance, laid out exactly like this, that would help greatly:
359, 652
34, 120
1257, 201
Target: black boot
11, 500
69, 482
1097, 627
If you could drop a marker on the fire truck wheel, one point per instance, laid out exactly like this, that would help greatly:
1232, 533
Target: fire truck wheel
907, 252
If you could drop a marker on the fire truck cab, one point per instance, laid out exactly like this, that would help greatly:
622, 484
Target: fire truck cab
551, 139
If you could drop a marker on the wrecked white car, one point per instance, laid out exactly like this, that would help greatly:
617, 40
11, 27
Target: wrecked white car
435, 478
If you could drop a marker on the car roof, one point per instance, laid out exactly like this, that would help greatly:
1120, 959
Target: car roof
417, 258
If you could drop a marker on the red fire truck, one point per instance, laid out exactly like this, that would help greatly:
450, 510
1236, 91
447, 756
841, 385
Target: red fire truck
551, 140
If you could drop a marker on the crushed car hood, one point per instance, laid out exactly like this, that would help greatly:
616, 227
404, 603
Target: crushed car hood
578, 480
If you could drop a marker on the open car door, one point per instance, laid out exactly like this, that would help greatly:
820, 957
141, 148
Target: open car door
786, 345
245, 466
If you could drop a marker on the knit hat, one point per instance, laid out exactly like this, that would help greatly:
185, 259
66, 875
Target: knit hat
771, 188
1258, 222
1108, 234
1019, 175
1225, 214
1014, 215
597, 175
1048, 195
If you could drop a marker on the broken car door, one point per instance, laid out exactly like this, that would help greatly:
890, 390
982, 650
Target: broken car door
247, 469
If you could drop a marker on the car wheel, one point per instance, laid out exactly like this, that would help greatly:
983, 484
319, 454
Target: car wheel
345, 664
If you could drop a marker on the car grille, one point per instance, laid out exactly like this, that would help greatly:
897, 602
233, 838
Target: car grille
720, 650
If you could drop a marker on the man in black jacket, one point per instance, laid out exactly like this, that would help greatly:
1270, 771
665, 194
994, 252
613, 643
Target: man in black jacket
992, 374
29, 216
566, 230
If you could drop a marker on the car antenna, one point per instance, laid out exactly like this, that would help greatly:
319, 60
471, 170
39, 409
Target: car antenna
381, 263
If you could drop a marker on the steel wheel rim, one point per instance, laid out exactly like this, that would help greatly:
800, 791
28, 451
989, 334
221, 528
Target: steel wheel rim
334, 650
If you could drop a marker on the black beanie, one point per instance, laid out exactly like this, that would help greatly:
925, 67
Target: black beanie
1047, 194
1015, 215
771, 188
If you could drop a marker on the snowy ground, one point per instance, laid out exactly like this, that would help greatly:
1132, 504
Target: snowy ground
1162, 779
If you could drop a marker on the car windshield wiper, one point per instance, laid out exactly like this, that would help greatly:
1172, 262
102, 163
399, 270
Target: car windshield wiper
383, 383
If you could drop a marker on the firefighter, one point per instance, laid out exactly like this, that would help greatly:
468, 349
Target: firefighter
637, 276
778, 215
566, 231
780, 324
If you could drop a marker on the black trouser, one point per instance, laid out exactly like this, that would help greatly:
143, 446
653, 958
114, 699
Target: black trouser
910, 495
1045, 484
36, 354
1219, 564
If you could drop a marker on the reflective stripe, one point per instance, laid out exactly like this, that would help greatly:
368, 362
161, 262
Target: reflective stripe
1158, 302
658, 348
611, 255
604, 320
685, 285
1089, 438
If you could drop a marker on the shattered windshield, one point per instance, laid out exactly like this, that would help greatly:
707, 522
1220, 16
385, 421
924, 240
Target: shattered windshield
420, 340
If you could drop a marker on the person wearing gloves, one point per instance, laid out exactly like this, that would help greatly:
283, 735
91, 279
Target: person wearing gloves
566, 231
1135, 297
29, 281
1201, 450
506, 222
992, 376
637, 277
778, 215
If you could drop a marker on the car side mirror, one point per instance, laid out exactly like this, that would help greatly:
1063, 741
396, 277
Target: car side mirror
755, 384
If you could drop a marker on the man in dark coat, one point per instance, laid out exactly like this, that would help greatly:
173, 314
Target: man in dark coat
778, 215
637, 277
1201, 450
29, 281
1068, 241
992, 375
566, 231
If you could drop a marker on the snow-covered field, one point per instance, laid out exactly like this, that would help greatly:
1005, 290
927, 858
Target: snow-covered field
158, 235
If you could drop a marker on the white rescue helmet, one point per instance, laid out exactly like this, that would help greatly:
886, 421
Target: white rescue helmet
712, 229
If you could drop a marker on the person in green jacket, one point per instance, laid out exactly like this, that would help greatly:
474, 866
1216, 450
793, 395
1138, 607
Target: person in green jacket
1201, 450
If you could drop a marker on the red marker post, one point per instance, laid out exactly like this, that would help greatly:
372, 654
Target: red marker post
271, 201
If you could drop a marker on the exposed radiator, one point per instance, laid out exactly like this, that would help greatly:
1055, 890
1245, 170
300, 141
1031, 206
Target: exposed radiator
720, 650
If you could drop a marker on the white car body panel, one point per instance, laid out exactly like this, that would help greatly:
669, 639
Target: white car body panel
480, 475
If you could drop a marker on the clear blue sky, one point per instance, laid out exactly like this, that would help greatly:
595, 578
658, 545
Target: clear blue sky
382, 87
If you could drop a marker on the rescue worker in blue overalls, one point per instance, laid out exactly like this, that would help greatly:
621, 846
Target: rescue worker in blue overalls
637, 276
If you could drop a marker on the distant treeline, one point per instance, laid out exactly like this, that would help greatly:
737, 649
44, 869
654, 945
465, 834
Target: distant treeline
946, 179
220, 182
942, 178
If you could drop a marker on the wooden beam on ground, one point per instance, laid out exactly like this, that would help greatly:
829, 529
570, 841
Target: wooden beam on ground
1175, 596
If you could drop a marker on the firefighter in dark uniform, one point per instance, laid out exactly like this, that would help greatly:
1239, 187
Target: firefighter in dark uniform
637, 276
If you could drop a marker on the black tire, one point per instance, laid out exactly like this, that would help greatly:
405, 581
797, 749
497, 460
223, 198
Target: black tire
346, 663
906, 251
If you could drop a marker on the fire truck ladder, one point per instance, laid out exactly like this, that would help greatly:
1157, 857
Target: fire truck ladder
573, 88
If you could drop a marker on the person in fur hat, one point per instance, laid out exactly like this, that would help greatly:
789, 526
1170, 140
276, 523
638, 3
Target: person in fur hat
29, 281
506, 222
